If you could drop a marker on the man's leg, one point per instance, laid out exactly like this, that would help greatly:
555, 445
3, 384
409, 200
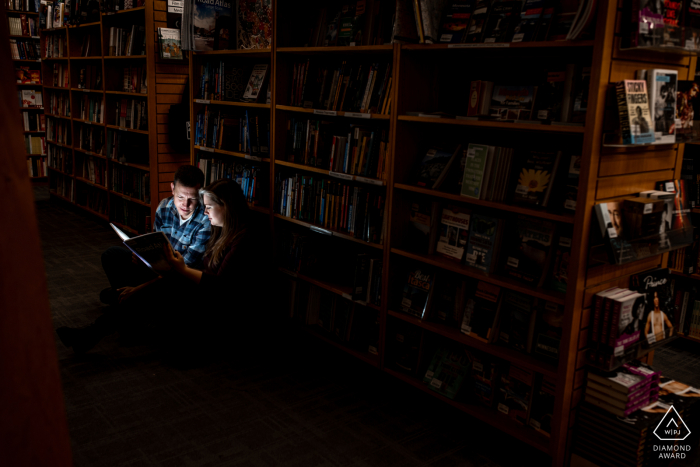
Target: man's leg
121, 271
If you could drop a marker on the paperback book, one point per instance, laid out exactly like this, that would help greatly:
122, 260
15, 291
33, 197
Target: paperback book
417, 293
454, 232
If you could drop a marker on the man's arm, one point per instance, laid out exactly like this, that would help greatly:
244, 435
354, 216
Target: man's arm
194, 254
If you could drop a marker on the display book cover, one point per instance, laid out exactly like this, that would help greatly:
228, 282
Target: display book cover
633, 111
529, 249
453, 232
611, 225
170, 44
448, 370
512, 102
257, 79
621, 328
656, 324
435, 166
516, 326
536, 177
149, 248
515, 392
484, 237
477, 168
663, 87
455, 21
481, 312
687, 107
417, 293
542, 406
212, 24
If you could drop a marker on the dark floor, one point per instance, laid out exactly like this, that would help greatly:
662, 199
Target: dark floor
309, 406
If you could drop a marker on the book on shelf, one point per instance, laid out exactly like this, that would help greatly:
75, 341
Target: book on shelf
681, 203
128, 41
90, 77
174, 14
435, 166
687, 107
633, 110
486, 373
479, 98
26, 75
516, 326
477, 169
528, 250
515, 393
455, 21
548, 330
453, 232
423, 227
502, 20
448, 301
512, 102
542, 406
662, 86
558, 277
536, 177
169, 44
258, 78
450, 373
248, 177
481, 312
483, 250
405, 348
656, 324
212, 23
254, 24
477, 21
417, 293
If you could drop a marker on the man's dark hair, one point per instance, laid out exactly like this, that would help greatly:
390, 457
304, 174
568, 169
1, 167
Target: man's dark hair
189, 176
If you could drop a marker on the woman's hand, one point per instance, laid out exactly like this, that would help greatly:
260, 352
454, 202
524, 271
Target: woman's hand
126, 292
174, 259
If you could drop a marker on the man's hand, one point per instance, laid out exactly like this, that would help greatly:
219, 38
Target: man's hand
126, 292
174, 258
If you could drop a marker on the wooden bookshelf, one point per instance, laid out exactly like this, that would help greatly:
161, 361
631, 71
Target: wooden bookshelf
431, 78
158, 161
36, 163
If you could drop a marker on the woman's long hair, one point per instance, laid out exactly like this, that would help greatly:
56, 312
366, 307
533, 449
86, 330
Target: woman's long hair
227, 194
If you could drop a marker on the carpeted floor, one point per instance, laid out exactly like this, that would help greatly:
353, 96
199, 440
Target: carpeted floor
311, 405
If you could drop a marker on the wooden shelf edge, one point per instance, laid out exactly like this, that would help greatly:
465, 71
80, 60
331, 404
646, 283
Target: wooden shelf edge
129, 198
338, 113
521, 359
231, 103
343, 291
234, 52
242, 155
333, 49
129, 164
496, 124
334, 233
499, 45
85, 180
465, 270
489, 416
95, 213
569, 219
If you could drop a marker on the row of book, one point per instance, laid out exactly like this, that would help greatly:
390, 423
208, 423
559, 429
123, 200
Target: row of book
252, 179
126, 147
134, 79
91, 198
247, 132
131, 113
484, 311
331, 204
23, 26
464, 374
349, 149
623, 392
33, 121
60, 75
346, 86
27, 75
341, 319
59, 103
62, 186
225, 81
607, 439
35, 144
58, 131
90, 77
170, 43
37, 167
352, 24
24, 49
21, 5
91, 139
60, 159
301, 253
30, 98
132, 215
127, 42
131, 182
55, 46
91, 108
54, 16
93, 169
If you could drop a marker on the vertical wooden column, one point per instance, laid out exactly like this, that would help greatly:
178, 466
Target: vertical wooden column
33, 428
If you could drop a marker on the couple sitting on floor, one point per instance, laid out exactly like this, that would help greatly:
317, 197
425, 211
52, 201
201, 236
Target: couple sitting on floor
216, 269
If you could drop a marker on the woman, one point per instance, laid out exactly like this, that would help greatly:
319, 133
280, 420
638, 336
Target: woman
191, 305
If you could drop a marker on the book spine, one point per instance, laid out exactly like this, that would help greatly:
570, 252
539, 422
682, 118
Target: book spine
623, 112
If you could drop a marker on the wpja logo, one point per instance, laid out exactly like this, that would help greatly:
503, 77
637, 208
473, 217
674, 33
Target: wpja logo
672, 428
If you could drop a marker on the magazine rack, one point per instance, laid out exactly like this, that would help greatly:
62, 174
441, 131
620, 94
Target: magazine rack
688, 39
621, 251
636, 351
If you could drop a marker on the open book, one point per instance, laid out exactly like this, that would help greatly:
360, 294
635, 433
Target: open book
148, 248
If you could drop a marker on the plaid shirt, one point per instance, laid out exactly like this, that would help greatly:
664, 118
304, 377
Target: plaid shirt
191, 238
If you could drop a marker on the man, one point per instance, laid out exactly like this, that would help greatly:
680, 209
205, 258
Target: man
181, 218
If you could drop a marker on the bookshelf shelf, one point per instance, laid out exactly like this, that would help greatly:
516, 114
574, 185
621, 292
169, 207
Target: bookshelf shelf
57, 88
342, 290
129, 164
63, 145
130, 94
232, 104
27, 61
510, 284
242, 52
565, 218
52, 30
333, 113
53, 59
96, 185
490, 416
90, 153
57, 116
308, 168
388, 48
320, 229
30, 84
24, 37
242, 155
129, 198
86, 25
499, 45
53, 169
18, 12
34, 132
495, 124
125, 57
521, 359
93, 58
365, 357
122, 12
87, 122
114, 127
95, 213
